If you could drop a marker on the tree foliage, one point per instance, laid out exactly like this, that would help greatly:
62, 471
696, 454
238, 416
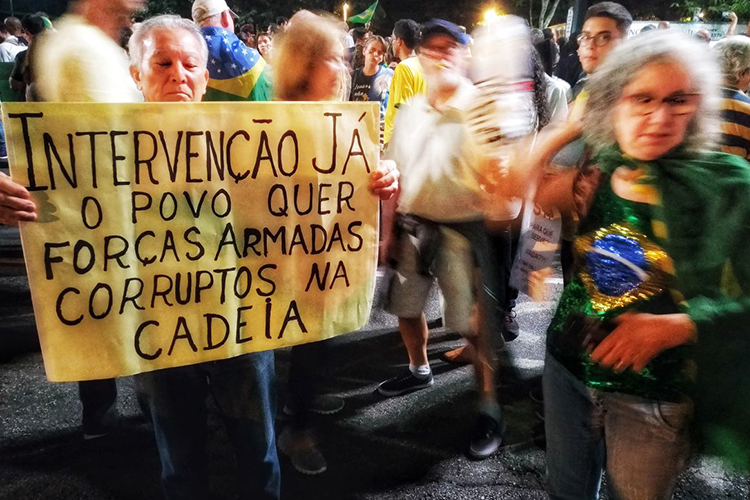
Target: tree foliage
714, 8
540, 13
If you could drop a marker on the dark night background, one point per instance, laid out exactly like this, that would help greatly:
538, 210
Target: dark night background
464, 12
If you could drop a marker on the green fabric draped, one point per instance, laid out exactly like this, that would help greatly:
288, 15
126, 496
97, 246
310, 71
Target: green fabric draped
705, 205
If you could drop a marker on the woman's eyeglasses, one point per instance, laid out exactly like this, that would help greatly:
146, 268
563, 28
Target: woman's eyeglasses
677, 104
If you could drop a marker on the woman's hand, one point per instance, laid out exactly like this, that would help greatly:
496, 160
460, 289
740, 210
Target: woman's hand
384, 180
15, 202
640, 337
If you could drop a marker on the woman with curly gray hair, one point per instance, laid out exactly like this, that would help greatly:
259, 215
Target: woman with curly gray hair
663, 228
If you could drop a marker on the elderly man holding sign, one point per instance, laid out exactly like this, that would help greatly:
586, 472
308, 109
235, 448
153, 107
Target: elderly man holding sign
168, 63
169, 59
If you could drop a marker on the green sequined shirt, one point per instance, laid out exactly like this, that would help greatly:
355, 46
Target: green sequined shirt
612, 232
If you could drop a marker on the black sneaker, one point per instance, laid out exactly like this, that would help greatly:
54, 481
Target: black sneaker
404, 383
323, 405
510, 328
487, 438
302, 452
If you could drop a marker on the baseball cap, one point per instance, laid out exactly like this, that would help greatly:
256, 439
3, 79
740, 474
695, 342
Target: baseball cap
439, 26
203, 9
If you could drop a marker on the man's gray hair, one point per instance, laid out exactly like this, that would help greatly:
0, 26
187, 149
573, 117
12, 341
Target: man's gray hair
136, 45
625, 62
734, 58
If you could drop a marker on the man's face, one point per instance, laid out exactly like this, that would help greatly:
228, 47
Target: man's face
395, 43
441, 57
264, 46
598, 37
172, 68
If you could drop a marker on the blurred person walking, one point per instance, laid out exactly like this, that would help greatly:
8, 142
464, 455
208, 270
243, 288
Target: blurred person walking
311, 51
660, 265
82, 62
440, 231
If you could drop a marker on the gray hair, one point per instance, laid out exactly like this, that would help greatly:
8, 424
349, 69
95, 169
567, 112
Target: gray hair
136, 45
625, 62
734, 58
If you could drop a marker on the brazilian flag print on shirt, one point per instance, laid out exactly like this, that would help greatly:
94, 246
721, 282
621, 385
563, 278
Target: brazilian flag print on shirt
236, 72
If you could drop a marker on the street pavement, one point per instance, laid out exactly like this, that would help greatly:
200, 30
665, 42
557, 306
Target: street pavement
409, 447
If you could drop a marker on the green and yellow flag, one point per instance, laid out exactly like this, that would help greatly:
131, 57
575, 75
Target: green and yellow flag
364, 17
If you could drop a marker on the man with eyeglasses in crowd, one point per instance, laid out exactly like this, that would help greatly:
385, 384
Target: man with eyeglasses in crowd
605, 25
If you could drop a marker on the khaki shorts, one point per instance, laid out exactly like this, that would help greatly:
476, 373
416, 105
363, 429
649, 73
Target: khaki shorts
456, 274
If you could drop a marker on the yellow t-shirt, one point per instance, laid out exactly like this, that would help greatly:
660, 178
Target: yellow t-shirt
578, 106
408, 81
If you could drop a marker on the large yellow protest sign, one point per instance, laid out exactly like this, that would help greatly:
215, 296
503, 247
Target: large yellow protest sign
173, 234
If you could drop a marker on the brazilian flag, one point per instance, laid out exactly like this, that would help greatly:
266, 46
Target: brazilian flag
364, 17
236, 72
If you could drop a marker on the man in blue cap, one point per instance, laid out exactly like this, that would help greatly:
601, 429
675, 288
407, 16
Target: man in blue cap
440, 233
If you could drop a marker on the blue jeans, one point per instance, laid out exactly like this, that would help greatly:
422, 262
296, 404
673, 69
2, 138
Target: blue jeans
244, 391
643, 443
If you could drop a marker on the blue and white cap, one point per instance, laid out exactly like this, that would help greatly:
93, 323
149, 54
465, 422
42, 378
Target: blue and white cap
439, 26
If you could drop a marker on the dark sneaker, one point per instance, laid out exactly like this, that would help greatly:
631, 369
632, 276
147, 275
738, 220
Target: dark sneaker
487, 438
404, 383
322, 405
510, 328
302, 451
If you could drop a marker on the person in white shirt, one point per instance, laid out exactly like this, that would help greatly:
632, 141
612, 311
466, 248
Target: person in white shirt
10, 46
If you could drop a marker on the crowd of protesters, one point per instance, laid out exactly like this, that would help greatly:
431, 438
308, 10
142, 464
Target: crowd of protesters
639, 144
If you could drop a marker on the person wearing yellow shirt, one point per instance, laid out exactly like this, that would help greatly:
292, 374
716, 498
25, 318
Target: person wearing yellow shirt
408, 78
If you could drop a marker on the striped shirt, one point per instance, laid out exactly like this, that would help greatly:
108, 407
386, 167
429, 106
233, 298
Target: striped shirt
735, 123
